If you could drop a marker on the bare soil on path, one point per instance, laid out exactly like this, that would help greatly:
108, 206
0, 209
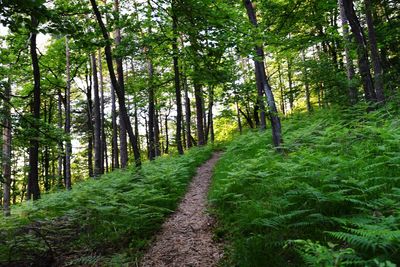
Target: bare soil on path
186, 238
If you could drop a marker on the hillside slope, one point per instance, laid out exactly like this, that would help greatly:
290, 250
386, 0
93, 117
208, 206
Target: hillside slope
332, 199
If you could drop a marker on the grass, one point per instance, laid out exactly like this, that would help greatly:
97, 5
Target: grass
107, 221
333, 199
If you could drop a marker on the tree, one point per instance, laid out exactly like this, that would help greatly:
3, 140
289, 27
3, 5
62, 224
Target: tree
178, 93
68, 146
261, 78
118, 90
7, 150
376, 61
33, 178
98, 168
363, 62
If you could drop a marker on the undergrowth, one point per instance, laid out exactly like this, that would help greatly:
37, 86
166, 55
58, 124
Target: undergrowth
333, 199
108, 221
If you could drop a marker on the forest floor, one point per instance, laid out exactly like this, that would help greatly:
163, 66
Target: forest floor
186, 238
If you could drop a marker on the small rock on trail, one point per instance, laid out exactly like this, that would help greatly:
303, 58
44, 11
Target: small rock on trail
186, 238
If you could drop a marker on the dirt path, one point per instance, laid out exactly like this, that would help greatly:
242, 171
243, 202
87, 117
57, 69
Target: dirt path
186, 237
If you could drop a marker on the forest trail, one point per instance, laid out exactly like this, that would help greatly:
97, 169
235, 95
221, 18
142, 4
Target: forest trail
186, 238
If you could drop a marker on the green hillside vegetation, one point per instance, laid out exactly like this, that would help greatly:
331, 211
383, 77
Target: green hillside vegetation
118, 213
331, 200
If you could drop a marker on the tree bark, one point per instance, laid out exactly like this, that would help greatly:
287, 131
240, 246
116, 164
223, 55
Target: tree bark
89, 124
281, 90
291, 97
363, 62
273, 112
118, 89
306, 83
104, 155
7, 150
33, 191
60, 143
157, 130
115, 150
198, 93
120, 75
187, 115
376, 61
68, 146
152, 114
353, 94
97, 120
178, 94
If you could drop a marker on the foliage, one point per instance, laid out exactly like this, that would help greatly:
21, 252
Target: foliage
120, 211
331, 199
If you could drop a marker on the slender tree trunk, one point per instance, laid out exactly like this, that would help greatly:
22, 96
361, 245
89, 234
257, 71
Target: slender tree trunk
178, 94
260, 91
210, 121
166, 135
187, 115
157, 131
239, 120
136, 121
104, 156
68, 146
47, 182
115, 150
60, 143
7, 150
353, 95
273, 112
291, 97
89, 124
198, 92
376, 61
120, 75
118, 89
152, 114
363, 62
33, 191
306, 83
97, 120
281, 90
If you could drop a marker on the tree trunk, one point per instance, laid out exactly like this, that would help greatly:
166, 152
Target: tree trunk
33, 191
273, 112
104, 156
68, 146
157, 131
89, 124
166, 135
306, 83
363, 63
7, 150
281, 90
199, 114
118, 89
97, 120
60, 143
152, 114
291, 97
178, 94
353, 94
187, 115
376, 61
239, 121
120, 74
115, 150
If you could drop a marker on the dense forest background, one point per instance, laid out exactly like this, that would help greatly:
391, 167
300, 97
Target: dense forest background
89, 87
